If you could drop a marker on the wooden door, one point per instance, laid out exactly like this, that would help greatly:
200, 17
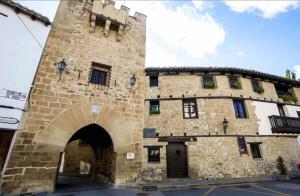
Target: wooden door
5, 140
177, 160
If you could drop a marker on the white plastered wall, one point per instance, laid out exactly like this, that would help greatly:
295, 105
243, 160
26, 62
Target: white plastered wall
263, 110
20, 53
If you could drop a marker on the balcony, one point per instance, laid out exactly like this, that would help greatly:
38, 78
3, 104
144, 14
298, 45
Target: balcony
283, 124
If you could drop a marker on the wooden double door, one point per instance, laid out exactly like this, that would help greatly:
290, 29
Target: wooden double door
177, 160
5, 140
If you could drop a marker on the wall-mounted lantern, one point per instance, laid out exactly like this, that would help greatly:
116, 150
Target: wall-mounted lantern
61, 66
132, 80
225, 125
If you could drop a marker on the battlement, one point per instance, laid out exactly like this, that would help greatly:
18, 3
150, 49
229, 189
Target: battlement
108, 10
110, 17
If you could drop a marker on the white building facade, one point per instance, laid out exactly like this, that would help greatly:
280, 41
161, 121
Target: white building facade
23, 34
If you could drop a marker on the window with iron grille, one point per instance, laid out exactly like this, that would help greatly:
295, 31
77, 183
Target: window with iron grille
190, 108
208, 81
149, 132
255, 150
100, 74
154, 107
153, 154
234, 82
239, 108
153, 81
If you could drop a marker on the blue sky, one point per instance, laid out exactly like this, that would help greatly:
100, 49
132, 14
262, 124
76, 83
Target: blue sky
260, 35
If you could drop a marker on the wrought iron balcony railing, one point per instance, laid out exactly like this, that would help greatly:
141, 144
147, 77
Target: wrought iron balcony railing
283, 124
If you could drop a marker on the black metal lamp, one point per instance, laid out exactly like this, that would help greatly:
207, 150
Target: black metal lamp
225, 125
61, 66
132, 80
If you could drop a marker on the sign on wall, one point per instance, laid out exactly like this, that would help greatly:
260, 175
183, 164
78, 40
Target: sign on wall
8, 120
10, 94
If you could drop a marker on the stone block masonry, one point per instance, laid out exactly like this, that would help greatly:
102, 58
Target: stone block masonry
59, 108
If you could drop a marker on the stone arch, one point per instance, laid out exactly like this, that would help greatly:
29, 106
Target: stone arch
102, 160
64, 125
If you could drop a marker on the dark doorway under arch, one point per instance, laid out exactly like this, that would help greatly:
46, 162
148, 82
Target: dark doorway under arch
88, 160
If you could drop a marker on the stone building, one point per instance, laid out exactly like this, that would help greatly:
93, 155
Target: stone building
141, 124
214, 122
89, 86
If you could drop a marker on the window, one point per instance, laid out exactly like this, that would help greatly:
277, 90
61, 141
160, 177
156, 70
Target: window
242, 145
149, 132
239, 108
154, 107
190, 108
285, 93
153, 154
255, 150
257, 87
98, 77
208, 81
234, 82
280, 109
100, 74
153, 81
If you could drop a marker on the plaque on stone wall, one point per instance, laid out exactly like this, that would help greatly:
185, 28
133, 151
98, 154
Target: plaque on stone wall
130, 155
95, 109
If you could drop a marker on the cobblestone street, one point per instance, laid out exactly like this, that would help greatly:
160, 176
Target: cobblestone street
259, 189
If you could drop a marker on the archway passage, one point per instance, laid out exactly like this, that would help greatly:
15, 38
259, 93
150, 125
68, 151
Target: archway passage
88, 160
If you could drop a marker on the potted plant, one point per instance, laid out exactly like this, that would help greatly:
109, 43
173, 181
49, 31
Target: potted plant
288, 98
283, 175
259, 89
209, 84
237, 85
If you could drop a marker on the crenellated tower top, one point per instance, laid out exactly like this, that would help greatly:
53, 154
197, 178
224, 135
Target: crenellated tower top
106, 14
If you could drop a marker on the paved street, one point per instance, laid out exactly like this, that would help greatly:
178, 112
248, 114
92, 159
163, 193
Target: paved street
258, 189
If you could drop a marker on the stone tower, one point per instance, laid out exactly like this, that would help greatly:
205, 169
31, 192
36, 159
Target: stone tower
98, 97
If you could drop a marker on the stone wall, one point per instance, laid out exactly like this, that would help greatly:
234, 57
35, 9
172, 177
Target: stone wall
211, 114
60, 107
217, 157
75, 153
191, 85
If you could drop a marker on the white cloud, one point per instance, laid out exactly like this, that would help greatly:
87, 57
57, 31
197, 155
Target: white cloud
266, 9
181, 30
241, 54
297, 70
199, 4
158, 57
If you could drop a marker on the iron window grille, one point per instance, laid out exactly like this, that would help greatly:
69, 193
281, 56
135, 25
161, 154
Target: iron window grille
208, 81
239, 108
100, 74
154, 154
154, 107
190, 109
255, 150
149, 132
153, 81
